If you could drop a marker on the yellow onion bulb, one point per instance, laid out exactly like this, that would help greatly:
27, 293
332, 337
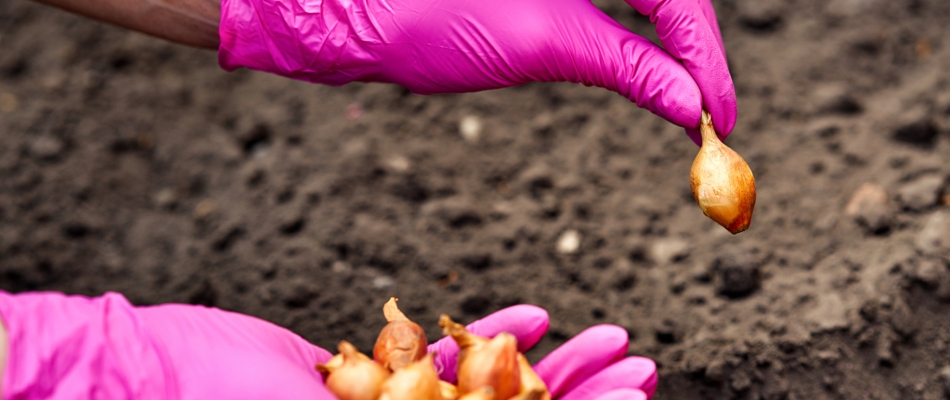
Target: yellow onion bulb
722, 182
416, 381
485, 362
358, 378
482, 393
401, 342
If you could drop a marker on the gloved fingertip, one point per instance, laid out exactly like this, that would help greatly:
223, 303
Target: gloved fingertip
724, 128
645, 368
722, 109
607, 337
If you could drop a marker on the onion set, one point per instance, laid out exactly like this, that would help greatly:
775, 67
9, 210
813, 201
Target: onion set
401, 368
722, 182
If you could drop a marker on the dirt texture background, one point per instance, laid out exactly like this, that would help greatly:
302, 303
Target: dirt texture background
133, 165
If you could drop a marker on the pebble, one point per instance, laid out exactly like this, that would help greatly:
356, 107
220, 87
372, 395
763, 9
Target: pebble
455, 212
669, 250
46, 147
382, 282
829, 313
203, 209
929, 272
397, 163
569, 242
921, 193
736, 273
762, 15
934, 237
834, 98
870, 209
470, 127
340, 267
165, 198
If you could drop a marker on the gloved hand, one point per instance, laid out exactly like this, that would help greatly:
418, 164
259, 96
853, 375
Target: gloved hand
592, 365
73, 347
434, 46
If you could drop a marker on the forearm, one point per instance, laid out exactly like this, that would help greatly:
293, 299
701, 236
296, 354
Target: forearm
190, 22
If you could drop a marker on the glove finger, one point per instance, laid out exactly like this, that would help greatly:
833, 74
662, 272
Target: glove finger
528, 323
597, 51
581, 357
685, 32
710, 13
623, 394
629, 373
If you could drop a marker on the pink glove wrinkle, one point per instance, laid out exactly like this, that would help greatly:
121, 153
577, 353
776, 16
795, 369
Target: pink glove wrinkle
432, 46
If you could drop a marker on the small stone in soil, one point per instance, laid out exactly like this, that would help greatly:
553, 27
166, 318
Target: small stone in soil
470, 127
870, 209
669, 250
569, 242
934, 237
921, 193
46, 147
203, 209
382, 282
929, 272
165, 198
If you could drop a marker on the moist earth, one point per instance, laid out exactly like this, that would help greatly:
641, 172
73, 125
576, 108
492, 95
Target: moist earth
133, 165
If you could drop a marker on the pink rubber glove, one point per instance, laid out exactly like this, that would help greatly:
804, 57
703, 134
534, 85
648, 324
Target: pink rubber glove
74, 347
65, 347
436, 46
592, 365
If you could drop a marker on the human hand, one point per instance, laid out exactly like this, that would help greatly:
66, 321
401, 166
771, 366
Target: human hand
592, 365
432, 46
178, 351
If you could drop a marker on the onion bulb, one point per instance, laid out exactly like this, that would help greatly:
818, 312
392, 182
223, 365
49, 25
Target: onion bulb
357, 377
722, 182
482, 393
485, 362
401, 342
532, 387
416, 381
449, 391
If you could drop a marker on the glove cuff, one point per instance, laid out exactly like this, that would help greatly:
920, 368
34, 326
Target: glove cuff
318, 41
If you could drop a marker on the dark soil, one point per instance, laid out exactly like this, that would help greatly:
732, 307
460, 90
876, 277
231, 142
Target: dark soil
130, 164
